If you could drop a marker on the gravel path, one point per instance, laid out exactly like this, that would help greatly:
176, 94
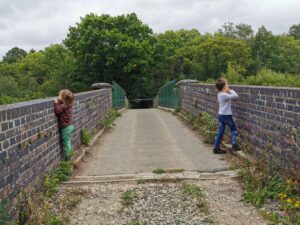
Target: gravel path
156, 203
146, 139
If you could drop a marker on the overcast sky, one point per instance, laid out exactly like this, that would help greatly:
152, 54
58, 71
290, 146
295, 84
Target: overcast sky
38, 23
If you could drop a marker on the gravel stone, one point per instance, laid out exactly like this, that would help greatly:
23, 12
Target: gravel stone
157, 203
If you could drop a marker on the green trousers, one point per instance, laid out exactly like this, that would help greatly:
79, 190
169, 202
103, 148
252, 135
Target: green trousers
65, 134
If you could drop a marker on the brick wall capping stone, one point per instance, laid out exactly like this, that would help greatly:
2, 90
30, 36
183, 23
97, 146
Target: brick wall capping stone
186, 82
38, 101
241, 86
101, 85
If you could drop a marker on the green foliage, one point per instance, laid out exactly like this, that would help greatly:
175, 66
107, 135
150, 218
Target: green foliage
37, 75
192, 189
58, 175
140, 181
263, 183
233, 73
53, 220
86, 136
110, 48
268, 77
196, 192
158, 171
295, 31
161, 171
206, 125
14, 55
4, 217
240, 31
257, 193
128, 197
110, 118
122, 48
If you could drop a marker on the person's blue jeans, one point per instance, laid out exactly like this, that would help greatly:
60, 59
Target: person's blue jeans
224, 120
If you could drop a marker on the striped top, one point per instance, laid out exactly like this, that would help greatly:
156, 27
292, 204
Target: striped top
64, 114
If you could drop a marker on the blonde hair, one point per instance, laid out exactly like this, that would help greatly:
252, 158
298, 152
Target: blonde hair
67, 97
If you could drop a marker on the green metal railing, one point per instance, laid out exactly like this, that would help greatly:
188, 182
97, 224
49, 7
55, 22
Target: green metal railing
118, 96
168, 96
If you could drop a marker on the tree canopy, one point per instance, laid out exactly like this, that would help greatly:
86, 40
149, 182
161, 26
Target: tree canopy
14, 55
110, 48
103, 48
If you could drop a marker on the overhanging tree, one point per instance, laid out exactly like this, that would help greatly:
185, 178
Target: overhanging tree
112, 48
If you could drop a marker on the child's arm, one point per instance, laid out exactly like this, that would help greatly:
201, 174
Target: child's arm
59, 108
231, 94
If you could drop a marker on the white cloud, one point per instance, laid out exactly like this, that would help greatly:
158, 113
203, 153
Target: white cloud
36, 23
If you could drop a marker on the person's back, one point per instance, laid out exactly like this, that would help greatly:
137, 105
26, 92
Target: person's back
63, 110
225, 115
224, 99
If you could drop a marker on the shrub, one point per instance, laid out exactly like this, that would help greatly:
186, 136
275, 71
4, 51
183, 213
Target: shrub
268, 77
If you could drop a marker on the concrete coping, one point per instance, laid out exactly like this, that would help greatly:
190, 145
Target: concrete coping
186, 82
101, 85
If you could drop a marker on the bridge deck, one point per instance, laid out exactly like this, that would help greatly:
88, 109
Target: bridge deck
146, 139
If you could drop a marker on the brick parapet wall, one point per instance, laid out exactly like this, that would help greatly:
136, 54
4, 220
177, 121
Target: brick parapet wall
267, 118
29, 137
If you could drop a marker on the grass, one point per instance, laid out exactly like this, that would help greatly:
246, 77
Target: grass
128, 197
161, 171
196, 192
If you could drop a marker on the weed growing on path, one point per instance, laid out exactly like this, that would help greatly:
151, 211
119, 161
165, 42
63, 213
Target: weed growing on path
140, 181
196, 192
109, 119
128, 197
86, 136
161, 171
158, 171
